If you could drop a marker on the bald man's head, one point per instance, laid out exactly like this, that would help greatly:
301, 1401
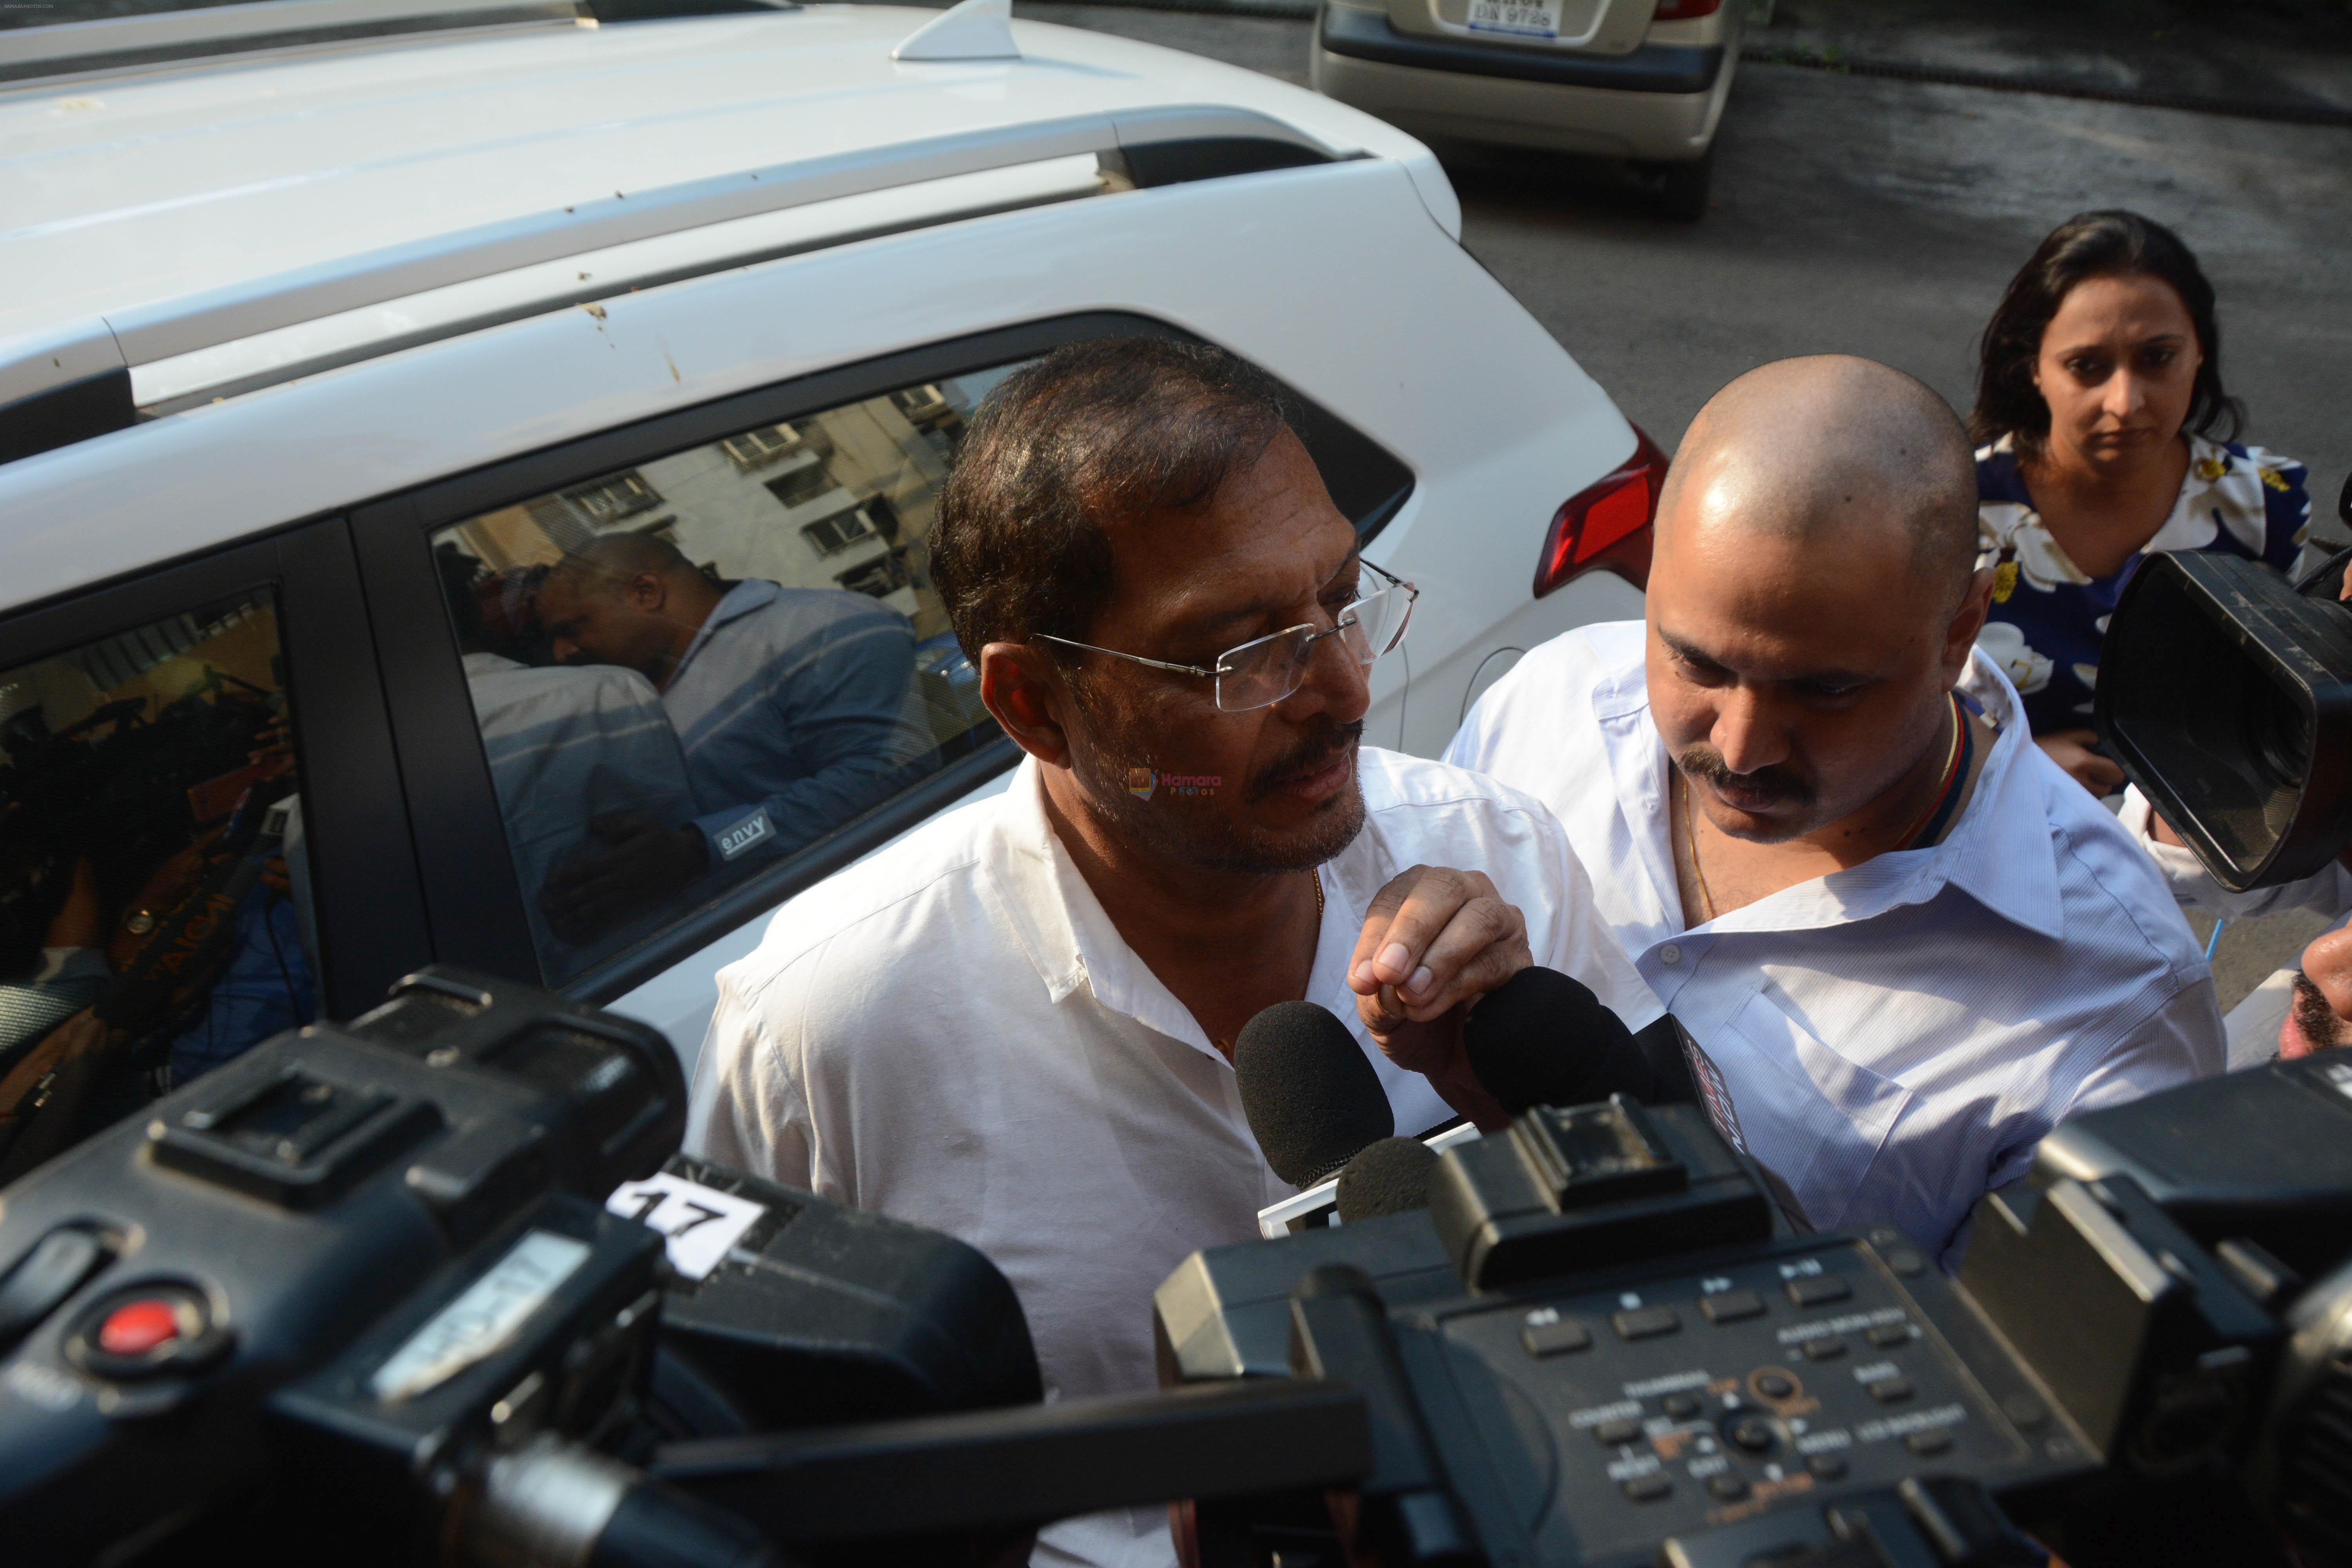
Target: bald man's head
1813, 597
1832, 451
613, 559
625, 599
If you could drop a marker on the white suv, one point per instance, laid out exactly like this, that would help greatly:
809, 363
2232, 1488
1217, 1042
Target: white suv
332, 325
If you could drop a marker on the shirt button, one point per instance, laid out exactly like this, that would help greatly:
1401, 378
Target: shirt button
1670, 953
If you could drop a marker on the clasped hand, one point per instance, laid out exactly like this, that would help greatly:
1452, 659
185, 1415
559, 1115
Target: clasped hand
1434, 941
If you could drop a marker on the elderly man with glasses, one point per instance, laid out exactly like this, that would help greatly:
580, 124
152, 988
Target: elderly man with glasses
1016, 1023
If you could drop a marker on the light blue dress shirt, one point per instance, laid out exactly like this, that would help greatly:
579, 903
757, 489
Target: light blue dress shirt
797, 709
567, 744
1897, 1036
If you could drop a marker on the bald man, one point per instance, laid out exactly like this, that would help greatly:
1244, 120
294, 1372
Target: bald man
791, 705
1902, 942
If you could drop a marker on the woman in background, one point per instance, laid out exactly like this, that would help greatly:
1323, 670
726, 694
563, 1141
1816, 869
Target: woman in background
2106, 435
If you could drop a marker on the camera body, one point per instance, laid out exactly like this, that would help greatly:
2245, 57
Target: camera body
2225, 695
429, 1177
1662, 1376
373, 1284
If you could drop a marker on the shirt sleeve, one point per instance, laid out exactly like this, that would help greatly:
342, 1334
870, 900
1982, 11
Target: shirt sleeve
746, 1110
2180, 1042
843, 709
2328, 891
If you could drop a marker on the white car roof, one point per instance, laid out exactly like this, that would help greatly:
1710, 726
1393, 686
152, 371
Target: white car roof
157, 212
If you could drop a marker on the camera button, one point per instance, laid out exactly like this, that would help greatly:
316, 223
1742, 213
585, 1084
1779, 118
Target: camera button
1825, 1349
1818, 1290
1610, 1434
1555, 1338
136, 1328
1646, 1323
1649, 1488
1826, 1467
1728, 1486
1891, 1390
1933, 1442
1732, 1306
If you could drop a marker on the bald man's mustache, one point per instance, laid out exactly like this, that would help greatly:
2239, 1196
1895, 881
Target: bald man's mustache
1776, 785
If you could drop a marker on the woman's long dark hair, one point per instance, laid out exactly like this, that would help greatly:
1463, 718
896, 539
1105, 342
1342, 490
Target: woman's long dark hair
2091, 245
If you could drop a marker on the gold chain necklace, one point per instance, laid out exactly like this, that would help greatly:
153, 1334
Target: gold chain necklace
1690, 837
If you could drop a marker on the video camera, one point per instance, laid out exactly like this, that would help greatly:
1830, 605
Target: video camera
436, 1287
1600, 1345
2225, 694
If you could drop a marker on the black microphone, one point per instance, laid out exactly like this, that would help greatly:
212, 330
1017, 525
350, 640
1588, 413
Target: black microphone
1543, 1038
1391, 1176
1311, 1097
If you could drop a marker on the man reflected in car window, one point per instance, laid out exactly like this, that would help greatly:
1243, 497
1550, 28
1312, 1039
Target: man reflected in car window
796, 708
567, 748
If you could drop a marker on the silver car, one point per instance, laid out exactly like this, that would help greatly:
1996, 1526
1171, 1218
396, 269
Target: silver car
1641, 79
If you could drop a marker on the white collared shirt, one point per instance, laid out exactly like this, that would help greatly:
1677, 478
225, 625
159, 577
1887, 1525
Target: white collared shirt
954, 1032
1897, 1036
2254, 1023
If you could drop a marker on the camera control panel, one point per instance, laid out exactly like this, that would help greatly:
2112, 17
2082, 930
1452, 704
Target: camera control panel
1609, 1418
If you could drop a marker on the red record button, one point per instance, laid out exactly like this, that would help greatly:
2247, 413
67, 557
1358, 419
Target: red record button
136, 1328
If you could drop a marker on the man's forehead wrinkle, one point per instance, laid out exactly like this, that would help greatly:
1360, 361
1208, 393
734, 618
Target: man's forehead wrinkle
1181, 569
1236, 583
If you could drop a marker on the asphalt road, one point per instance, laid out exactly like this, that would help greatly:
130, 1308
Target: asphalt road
1878, 217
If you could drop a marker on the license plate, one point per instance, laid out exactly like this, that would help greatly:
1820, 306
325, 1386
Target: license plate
1522, 18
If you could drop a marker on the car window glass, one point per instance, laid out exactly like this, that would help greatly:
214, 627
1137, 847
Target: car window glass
155, 910
686, 670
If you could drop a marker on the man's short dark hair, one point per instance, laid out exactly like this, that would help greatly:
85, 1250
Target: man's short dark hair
1095, 434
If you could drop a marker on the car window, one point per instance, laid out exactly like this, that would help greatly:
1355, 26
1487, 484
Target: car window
154, 903
687, 669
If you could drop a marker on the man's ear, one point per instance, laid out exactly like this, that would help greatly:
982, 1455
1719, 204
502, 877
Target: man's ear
1967, 620
646, 591
1025, 695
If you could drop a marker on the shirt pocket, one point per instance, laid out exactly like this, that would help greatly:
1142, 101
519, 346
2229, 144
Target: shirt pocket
1813, 1117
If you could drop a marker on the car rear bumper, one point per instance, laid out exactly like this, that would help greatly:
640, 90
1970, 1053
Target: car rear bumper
1660, 101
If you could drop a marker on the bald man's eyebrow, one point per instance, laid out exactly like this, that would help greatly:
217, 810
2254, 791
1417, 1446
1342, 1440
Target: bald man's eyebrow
1692, 654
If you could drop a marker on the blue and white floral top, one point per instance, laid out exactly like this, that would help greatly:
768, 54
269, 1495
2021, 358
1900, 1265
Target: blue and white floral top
2048, 618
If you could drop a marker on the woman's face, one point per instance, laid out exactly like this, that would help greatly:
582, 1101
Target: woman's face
2118, 366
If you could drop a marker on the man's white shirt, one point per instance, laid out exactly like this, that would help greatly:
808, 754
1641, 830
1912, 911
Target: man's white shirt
2254, 1024
1897, 1036
954, 1032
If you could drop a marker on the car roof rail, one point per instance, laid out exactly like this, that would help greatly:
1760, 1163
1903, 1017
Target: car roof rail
1156, 145
164, 37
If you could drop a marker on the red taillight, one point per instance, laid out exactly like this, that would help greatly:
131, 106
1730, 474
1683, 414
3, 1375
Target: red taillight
1607, 523
1685, 10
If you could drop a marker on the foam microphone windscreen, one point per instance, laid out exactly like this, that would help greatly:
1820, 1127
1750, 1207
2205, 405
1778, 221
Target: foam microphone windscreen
1543, 1038
1391, 1176
1311, 1097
